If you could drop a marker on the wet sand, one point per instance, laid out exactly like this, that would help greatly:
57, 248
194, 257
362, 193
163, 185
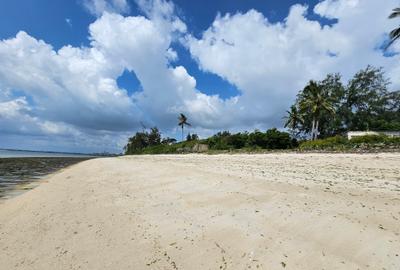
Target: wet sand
19, 174
273, 211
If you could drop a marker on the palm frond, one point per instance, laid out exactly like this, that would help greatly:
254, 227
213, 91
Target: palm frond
395, 13
183, 120
395, 34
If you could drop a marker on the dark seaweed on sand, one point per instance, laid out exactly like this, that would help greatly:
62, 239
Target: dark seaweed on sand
15, 172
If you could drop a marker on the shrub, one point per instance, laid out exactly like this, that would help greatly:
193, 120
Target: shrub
342, 143
219, 141
151, 142
141, 140
257, 138
369, 139
275, 139
159, 149
237, 140
337, 142
272, 139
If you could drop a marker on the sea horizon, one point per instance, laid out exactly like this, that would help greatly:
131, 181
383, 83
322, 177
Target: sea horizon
19, 153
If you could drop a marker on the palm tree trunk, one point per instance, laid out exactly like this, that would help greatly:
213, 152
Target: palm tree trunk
313, 129
316, 129
182, 133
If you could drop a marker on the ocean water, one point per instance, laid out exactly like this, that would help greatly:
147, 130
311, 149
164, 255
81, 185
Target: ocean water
21, 154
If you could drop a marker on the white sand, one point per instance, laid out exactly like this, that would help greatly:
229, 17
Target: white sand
276, 211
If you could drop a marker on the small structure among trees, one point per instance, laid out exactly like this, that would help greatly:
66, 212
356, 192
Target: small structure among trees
390, 134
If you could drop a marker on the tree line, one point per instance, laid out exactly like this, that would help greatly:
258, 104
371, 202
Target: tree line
327, 108
270, 139
151, 141
144, 139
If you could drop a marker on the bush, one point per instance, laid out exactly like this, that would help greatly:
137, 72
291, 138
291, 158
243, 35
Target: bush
159, 149
219, 141
152, 143
237, 141
342, 143
275, 139
272, 139
333, 143
257, 139
141, 140
369, 139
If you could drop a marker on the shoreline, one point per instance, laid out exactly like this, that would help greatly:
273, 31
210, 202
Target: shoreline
271, 211
20, 174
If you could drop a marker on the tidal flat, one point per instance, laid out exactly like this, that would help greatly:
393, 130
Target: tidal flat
20, 174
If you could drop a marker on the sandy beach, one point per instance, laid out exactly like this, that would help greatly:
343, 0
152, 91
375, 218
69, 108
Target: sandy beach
269, 211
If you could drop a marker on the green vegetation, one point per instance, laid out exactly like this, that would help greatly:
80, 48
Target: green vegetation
175, 148
339, 143
258, 141
272, 139
328, 108
192, 137
144, 139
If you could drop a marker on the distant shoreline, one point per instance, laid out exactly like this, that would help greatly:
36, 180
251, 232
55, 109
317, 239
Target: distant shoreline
37, 151
7, 153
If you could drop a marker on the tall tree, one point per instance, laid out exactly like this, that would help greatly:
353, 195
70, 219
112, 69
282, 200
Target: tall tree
365, 98
299, 118
154, 137
364, 103
395, 33
182, 122
293, 120
313, 102
334, 91
137, 143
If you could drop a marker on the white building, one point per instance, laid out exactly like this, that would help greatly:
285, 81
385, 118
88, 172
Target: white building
352, 134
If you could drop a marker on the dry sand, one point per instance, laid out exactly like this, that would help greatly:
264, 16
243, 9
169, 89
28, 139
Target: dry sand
274, 211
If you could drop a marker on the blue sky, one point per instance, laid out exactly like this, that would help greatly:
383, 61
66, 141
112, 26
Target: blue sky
80, 75
46, 19
63, 22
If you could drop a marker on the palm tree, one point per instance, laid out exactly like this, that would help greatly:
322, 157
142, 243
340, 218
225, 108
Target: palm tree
293, 119
395, 33
314, 102
182, 122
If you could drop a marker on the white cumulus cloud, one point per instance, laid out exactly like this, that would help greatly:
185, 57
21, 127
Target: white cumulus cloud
270, 62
